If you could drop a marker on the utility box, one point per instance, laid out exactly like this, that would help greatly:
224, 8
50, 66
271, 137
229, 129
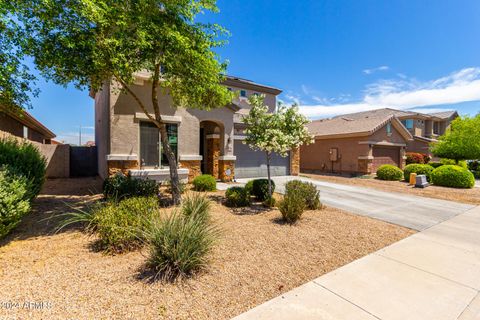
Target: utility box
333, 154
421, 181
413, 178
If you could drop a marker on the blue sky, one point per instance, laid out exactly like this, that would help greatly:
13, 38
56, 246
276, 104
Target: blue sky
332, 57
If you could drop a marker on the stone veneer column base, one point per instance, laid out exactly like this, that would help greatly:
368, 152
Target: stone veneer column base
223, 167
193, 167
365, 166
122, 166
295, 162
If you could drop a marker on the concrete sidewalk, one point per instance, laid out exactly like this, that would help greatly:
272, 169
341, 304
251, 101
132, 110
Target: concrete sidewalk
403, 209
434, 274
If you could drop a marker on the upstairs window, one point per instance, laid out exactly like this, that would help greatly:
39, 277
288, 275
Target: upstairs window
408, 123
25, 132
389, 129
436, 127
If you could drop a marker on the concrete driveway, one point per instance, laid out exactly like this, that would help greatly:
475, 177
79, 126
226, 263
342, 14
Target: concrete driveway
406, 210
434, 274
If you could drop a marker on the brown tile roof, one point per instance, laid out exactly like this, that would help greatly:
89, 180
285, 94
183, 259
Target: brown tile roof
346, 125
383, 113
443, 114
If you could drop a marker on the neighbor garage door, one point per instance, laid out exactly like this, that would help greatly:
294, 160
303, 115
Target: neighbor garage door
385, 155
250, 164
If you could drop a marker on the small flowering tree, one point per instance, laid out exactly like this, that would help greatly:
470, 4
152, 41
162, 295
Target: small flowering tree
277, 132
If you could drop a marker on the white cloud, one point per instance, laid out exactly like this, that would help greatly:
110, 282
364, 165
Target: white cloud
373, 70
458, 87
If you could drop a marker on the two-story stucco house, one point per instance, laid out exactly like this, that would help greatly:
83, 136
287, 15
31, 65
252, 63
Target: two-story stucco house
203, 141
359, 143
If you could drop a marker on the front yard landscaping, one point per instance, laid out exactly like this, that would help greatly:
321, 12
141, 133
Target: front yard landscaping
471, 196
257, 257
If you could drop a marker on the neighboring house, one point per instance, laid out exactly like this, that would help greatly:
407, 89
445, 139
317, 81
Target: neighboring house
23, 125
359, 143
203, 141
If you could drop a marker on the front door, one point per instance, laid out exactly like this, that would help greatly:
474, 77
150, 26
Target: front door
149, 145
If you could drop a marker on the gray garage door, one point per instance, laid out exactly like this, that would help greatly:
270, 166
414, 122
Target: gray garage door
252, 164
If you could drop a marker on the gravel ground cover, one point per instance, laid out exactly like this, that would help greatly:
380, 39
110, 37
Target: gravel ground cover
471, 196
57, 276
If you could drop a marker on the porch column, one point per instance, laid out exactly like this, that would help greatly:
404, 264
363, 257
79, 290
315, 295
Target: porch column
403, 157
213, 153
295, 162
193, 164
227, 168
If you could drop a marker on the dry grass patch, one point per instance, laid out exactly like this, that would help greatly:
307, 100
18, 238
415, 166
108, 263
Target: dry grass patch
471, 196
256, 259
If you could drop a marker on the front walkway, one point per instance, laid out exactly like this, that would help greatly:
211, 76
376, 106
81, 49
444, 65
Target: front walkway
406, 210
434, 274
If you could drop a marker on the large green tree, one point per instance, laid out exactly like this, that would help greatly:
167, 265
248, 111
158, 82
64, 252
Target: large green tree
461, 141
90, 42
275, 132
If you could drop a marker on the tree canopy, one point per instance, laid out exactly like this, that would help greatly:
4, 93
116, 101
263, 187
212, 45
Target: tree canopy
90, 42
461, 141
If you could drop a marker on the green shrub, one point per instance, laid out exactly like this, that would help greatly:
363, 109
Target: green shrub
389, 172
196, 205
14, 202
237, 197
205, 182
120, 186
24, 159
260, 189
435, 165
461, 163
249, 187
473, 165
419, 169
453, 176
269, 202
308, 192
121, 226
179, 245
292, 206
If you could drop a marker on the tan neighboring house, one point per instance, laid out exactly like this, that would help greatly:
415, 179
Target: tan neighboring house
359, 143
203, 141
24, 125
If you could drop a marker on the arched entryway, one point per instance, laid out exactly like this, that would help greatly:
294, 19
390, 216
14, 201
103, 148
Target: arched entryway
211, 146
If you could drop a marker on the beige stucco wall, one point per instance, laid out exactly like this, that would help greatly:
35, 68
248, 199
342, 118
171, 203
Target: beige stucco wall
316, 157
102, 128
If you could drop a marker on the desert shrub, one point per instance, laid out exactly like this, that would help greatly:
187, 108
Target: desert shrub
435, 165
418, 169
414, 157
237, 197
14, 200
120, 186
197, 206
389, 172
204, 182
308, 192
121, 226
453, 176
179, 245
461, 163
24, 159
292, 206
260, 189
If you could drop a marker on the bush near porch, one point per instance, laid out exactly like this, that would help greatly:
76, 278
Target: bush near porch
418, 169
416, 157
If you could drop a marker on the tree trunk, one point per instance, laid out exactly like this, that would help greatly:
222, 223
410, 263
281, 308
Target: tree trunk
268, 173
172, 163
